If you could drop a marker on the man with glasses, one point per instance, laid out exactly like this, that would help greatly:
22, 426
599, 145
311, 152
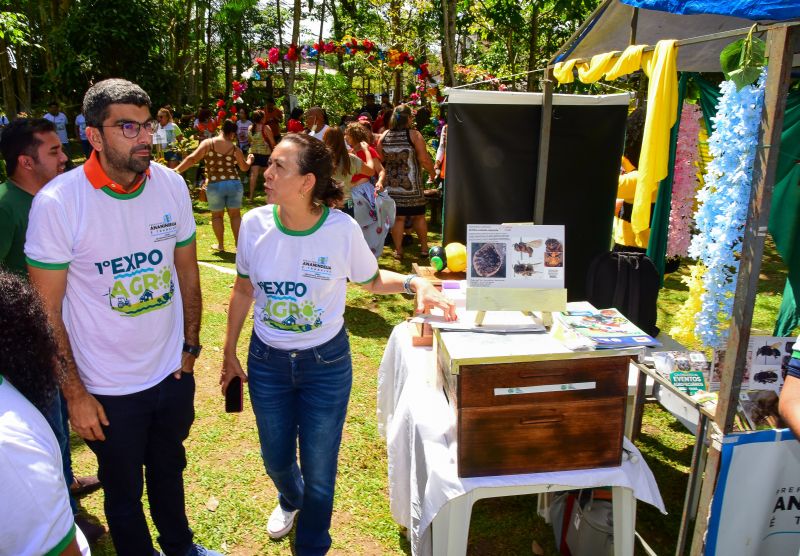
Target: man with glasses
111, 249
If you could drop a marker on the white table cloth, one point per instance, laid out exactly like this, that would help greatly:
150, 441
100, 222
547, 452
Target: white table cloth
419, 427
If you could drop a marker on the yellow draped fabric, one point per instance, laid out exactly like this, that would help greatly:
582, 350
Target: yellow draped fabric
562, 71
628, 62
662, 105
662, 110
597, 67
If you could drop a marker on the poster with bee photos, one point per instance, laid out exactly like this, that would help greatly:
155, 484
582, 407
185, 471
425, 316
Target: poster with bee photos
515, 256
765, 365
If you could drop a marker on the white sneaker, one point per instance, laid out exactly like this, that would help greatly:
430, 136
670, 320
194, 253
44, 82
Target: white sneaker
280, 522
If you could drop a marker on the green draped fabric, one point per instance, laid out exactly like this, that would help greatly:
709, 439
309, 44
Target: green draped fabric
784, 217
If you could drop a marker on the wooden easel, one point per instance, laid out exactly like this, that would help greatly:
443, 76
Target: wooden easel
526, 300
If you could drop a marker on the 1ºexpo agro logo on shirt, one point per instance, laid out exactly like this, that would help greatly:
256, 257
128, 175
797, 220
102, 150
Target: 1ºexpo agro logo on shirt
141, 283
284, 308
166, 229
319, 269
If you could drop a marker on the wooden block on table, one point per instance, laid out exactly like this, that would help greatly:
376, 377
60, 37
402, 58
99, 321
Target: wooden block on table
421, 334
436, 278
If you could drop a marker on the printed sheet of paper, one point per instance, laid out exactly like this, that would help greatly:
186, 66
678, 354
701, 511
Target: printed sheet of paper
515, 256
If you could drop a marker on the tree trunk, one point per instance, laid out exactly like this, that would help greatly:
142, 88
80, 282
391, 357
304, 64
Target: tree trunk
295, 39
6, 77
207, 70
280, 43
394, 32
512, 53
532, 48
226, 47
23, 95
448, 41
319, 55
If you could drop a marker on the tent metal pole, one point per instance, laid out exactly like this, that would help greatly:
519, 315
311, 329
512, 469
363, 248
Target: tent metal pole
544, 145
707, 38
780, 40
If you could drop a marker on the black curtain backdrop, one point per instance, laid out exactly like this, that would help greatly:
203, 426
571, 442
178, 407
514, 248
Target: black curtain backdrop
492, 161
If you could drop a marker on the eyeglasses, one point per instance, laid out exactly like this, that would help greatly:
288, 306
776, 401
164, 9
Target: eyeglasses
131, 130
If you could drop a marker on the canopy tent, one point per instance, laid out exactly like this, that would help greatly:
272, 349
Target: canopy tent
701, 37
617, 23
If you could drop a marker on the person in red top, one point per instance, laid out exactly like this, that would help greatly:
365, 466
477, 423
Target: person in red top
273, 118
295, 124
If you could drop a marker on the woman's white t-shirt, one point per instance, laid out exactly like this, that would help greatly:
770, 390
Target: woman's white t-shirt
300, 278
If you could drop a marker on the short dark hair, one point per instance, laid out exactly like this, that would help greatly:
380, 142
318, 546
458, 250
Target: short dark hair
297, 113
28, 353
315, 158
52, 103
20, 137
101, 95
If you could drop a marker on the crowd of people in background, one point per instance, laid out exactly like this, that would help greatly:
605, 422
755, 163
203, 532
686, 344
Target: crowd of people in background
386, 174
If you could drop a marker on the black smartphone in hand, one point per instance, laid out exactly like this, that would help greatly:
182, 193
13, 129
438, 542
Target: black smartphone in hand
233, 395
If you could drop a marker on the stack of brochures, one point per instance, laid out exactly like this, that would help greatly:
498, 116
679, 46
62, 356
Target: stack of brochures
591, 328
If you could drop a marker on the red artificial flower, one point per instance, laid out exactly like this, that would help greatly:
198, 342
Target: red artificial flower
221, 114
329, 47
274, 55
368, 44
292, 53
220, 103
262, 63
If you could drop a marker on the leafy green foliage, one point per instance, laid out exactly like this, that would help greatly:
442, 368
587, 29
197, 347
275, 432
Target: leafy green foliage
15, 29
333, 93
742, 60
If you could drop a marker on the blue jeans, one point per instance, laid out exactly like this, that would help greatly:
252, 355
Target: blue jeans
302, 396
146, 430
224, 194
58, 419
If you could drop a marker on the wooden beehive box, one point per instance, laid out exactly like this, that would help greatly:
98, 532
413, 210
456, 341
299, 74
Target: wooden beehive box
524, 404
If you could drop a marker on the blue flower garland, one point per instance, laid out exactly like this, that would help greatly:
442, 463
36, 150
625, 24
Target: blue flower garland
723, 202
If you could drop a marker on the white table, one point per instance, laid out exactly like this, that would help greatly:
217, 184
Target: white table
427, 496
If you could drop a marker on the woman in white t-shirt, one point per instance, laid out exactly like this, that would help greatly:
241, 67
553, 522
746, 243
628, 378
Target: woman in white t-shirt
294, 258
35, 515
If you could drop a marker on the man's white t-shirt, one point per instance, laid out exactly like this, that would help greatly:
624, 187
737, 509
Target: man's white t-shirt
300, 278
80, 121
122, 308
35, 515
60, 121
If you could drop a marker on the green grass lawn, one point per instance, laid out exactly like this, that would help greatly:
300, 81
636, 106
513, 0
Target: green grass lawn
229, 497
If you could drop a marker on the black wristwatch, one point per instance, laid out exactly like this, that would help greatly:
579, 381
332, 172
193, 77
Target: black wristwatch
192, 350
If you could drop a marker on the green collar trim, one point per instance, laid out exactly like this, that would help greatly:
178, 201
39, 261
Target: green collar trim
308, 232
124, 196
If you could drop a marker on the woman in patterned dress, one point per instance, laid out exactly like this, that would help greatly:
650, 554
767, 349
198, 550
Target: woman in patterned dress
404, 155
